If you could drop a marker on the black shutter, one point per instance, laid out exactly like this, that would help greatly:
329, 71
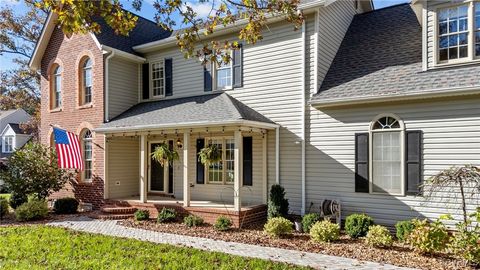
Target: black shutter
200, 166
361, 162
168, 77
247, 161
237, 66
207, 77
413, 161
145, 81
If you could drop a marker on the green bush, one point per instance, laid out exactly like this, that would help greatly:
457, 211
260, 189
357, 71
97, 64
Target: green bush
141, 215
167, 215
193, 221
278, 226
356, 225
325, 231
65, 206
223, 223
17, 199
404, 228
277, 205
308, 220
427, 238
3, 207
466, 244
379, 236
32, 210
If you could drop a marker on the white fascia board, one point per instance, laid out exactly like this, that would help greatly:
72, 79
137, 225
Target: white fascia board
123, 54
42, 42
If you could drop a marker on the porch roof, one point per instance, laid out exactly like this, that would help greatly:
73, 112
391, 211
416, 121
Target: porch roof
204, 110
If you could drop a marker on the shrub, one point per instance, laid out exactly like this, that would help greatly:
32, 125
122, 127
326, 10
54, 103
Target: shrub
223, 223
3, 207
356, 225
428, 237
278, 226
466, 245
167, 215
141, 215
65, 206
192, 221
31, 171
325, 231
308, 220
404, 228
379, 236
32, 210
277, 205
17, 199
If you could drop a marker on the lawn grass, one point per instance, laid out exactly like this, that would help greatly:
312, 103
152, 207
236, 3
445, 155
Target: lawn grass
43, 247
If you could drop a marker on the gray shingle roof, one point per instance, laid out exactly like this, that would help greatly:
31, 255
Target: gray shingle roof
381, 56
145, 31
16, 128
214, 108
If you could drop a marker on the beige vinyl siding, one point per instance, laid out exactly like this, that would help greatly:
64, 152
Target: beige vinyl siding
123, 167
123, 86
451, 136
333, 23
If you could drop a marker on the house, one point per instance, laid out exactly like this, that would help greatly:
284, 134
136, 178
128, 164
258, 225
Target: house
11, 136
359, 105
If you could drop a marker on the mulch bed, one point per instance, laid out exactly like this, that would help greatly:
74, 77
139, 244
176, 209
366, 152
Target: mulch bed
399, 254
9, 219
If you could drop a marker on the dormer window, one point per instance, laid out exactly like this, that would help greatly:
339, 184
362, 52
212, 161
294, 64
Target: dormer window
455, 28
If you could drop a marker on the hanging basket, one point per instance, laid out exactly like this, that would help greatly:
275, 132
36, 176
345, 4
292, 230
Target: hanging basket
210, 154
163, 154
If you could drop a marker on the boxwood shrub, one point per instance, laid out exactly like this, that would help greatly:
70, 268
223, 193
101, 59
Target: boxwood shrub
32, 210
356, 225
66, 206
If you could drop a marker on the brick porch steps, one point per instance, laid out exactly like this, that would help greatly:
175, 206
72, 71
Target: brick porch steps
116, 212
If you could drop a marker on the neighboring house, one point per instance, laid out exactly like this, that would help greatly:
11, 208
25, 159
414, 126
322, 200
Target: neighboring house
11, 118
13, 138
357, 105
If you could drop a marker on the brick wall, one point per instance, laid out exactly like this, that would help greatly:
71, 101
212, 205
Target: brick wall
68, 52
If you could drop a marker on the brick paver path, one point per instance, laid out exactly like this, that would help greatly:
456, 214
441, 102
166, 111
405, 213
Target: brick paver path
319, 261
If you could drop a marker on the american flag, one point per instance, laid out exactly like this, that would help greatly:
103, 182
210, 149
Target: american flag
68, 148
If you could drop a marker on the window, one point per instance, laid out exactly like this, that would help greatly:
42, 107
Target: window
56, 88
8, 144
87, 155
477, 29
454, 26
86, 82
158, 81
222, 172
223, 76
387, 156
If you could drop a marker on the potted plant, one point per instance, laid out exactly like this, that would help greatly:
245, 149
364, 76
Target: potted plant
163, 154
210, 154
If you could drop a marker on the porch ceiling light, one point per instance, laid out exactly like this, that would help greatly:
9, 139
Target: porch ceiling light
179, 143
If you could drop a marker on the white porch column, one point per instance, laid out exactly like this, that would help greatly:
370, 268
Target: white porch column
265, 170
237, 180
106, 184
143, 168
186, 165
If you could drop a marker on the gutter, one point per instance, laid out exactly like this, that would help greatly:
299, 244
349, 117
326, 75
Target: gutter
433, 93
159, 127
123, 54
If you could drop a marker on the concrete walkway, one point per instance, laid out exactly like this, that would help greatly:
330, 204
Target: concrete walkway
318, 261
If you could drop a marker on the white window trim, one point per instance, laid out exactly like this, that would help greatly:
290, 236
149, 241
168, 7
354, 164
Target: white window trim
402, 153
4, 144
214, 67
150, 76
224, 172
84, 84
83, 175
471, 36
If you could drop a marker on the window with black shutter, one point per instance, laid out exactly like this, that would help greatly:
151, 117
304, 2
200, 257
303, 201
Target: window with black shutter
247, 161
413, 161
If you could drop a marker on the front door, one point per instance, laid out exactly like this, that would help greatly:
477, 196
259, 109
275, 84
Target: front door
161, 179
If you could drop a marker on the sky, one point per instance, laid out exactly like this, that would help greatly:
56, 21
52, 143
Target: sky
148, 12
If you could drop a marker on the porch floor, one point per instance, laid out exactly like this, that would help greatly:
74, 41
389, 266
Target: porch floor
163, 200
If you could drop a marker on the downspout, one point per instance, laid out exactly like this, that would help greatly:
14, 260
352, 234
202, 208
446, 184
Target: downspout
107, 71
304, 90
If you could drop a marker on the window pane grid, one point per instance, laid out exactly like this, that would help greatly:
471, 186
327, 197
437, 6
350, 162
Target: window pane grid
386, 159
8, 144
57, 87
87, 81
453, 33
215, 170
477, 29
224, 76
158, 79
229, 160
222, 172
87, 155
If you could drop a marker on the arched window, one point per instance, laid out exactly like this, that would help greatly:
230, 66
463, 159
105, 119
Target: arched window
387, 162
56, 87
86, 81
87, 154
